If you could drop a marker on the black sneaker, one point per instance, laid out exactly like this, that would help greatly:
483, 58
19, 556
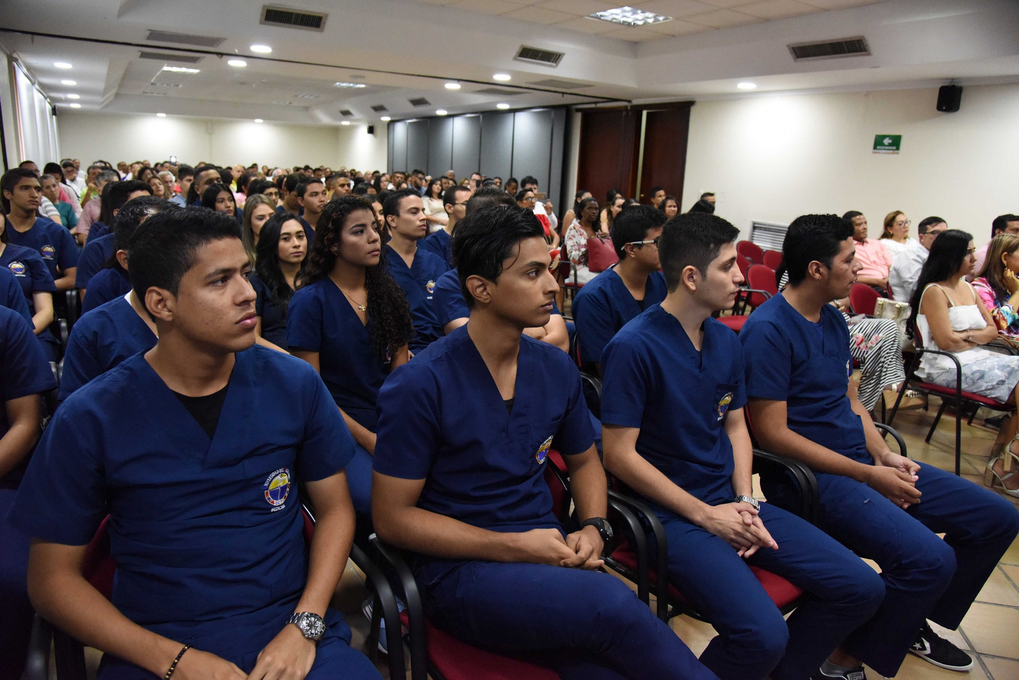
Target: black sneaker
935, 649
851, 674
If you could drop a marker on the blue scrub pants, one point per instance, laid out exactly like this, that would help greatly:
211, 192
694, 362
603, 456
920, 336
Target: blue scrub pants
16, 620
359, 479
586, 625
754, 639
925, 577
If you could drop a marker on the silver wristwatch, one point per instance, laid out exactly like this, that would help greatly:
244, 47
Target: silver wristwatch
311, 625
749, 500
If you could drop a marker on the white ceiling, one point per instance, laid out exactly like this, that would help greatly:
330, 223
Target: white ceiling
405, 49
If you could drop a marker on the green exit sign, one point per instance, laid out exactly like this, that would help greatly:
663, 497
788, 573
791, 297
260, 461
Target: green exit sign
887, 143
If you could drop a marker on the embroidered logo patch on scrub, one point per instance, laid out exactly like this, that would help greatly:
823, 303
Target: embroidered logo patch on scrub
48, 252
276, 488
849, 368
430, 287
542, 453
17, 268
723, 405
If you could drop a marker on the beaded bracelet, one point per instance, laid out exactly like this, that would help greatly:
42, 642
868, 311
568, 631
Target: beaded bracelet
173, 666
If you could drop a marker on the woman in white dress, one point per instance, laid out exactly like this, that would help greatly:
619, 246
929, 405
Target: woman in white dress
895, 236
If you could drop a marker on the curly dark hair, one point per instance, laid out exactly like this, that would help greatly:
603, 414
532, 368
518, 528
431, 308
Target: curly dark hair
388, 310
267, 264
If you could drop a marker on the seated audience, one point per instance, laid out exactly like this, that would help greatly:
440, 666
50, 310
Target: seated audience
432, 200
351, 321
24, 375
895, 235
798, 364
218, 198
705, 204
311, 196
11, 296
21, 194
414, 269
119, 194
465, 430
950, 316
1002, 224
572, 213
205, 176
575, 239
526, 199
279, 263
874, 258
611, 209
438, 242
91, 211
998, 286
633, 285
657, 196
51, 190
689, 454
906, 268
178, 483
669, 206
258, 208
36, 284
98, 251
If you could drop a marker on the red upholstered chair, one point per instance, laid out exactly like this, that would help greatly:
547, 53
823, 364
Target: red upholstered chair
762, 284
735, 321
751, 251
772, 259
863, 299
566, 274
743, 264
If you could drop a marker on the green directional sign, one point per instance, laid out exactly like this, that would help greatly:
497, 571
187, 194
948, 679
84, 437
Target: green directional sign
887, 143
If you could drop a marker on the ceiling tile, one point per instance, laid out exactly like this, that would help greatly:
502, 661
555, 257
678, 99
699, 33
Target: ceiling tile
840, 4
722, 18
586, 25
726, 4
676, 27
777, 9
675, 8
580, 8
538, 15
485, 6
436, 2
635, 34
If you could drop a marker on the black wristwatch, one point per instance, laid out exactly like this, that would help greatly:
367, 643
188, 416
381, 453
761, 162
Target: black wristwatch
602, 525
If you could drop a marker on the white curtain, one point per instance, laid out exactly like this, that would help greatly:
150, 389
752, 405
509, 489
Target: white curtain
37, 126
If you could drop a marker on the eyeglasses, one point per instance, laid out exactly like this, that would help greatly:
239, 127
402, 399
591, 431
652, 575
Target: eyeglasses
904, 224
653, 242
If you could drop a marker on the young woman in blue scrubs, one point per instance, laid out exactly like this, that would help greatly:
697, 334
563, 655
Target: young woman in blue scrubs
36, 284
798, 365
280, 254
454, 200
464, 432
195, 449
688, 452
608, 302
24, 375
11, 296
351, 322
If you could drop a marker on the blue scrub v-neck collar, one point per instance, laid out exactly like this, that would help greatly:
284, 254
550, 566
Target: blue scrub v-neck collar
345, 306
395, 259
489, 391
810, 328
623, 293
673, 326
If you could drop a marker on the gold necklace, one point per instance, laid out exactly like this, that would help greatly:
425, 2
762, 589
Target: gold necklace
363, 307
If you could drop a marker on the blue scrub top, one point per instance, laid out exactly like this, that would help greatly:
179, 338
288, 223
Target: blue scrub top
309, 231
100, 340
274, 318
442, 419
654, 379
321, 320
448, 302
109, 284
23, 371
207, 533
418, 284
604, 305
439, 243
11, 296
97, 230
29, 271
92, 259
52, 241
787, 360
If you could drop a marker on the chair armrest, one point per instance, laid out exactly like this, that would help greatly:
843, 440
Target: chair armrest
887, 430
392, 561
651, 522
386, 598
920, 351
626, 523
803, 476
37, 663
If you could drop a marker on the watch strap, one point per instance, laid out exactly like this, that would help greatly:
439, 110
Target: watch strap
749, 500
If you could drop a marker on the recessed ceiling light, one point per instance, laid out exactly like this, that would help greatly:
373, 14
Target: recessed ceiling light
160, 115
261, 49
344, 122
348, 85
68, 82
62, 64
441, 112
259, 120
75, 106
74, 96
237, 63
502, 76
629, 16
747, 86
180, 69
502, 106
452, 86
385, 119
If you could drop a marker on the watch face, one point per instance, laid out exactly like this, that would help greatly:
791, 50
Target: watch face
312, 626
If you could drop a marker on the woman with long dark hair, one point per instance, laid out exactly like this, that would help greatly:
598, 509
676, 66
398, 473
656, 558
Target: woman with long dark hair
435, 211
219, 198
585, 226
280, 255
572, 213
351, 321
949, 316
997, 284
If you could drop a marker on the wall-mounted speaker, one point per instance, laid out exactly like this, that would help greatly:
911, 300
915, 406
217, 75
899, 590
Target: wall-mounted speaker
371, 129
949, 98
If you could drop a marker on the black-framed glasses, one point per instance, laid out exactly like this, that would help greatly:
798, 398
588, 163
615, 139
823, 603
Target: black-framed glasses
652, 242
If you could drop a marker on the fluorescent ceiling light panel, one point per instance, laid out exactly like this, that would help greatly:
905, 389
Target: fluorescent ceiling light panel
746, 85
62, 64
259, 120
357, 85
261, 49
180, 69
503, 77
75, 106
452, 86
441, 112
385, 119
344, 122
68, 82
502, 106
74, 96
160, 115
630, 16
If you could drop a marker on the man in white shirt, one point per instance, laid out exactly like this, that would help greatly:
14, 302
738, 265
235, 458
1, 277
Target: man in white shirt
906, 268
72, 177
531, 182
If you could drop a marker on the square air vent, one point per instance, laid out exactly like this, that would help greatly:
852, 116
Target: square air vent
420, 101
184, 38
379, 108
292, 18
346, 112
830, 49
537, 55
556, 84
162, 56
498, 92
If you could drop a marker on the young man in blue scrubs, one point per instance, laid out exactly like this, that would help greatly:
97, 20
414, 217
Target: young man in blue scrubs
24, 375
464, 431
608, 302
454, 200
11, 296
414, 269
674, 432
195, 450
98, 250
877, 503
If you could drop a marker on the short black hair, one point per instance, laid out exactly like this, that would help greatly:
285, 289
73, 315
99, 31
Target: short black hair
851, 215
68, 164
528, 180
449, 195
185, 171
693, 239
487, 238
11, 179
165, 246
486, 197
655, 190
291, 182
361, 189
120, 191
212, 192
633, 224
810, 238
707, 194
928, 222
133, 213
391, 206
303, 186
1000, 223
522, 194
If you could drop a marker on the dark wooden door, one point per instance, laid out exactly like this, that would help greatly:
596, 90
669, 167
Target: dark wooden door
609, 141
664, 162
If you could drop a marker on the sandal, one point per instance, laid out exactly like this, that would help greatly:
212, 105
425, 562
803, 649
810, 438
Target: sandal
991, 476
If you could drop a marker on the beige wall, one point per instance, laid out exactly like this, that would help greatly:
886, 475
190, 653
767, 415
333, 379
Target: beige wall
772, 158
90, 136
